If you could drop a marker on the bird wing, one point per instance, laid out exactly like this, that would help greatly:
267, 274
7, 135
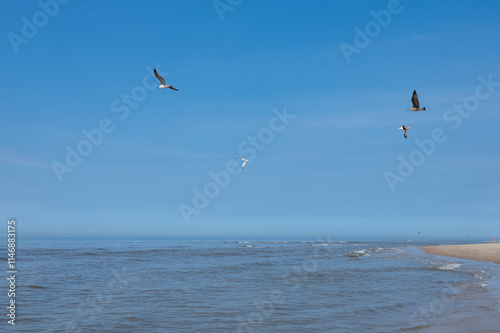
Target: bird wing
244, 164
159, 77
414, 100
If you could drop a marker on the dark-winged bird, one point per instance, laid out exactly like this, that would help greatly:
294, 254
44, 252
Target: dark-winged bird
416, 104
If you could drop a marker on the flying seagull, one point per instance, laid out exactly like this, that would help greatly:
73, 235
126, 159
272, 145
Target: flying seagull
163, 85
405, 128
416, 104
244, 160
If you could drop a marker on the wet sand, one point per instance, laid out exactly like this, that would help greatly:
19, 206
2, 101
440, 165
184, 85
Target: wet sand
482, 252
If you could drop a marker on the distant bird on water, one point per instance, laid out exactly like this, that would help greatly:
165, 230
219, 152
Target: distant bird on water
405, 128
244, 160
416, 104
163, 85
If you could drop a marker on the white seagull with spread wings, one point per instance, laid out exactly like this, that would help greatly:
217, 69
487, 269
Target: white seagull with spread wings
163, 85
405, 128
416, 104
244, 160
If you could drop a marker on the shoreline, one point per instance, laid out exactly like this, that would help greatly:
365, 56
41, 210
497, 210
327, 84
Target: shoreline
489, 252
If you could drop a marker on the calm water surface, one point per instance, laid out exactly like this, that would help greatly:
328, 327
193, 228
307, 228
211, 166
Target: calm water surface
214, 286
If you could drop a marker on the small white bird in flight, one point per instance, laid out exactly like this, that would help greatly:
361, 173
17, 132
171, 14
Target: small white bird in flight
416, 104
244, 160
163, 85
405, 128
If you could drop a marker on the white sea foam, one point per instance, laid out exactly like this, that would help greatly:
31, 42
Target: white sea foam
362, 252
396, 250
483, 283
449, 266
482, 276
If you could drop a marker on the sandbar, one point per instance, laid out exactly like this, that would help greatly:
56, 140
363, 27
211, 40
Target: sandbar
483, 252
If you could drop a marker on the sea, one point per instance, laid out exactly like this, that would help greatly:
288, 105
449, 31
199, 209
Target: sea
174, 285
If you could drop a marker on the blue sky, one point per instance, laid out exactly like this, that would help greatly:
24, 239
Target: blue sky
324, 170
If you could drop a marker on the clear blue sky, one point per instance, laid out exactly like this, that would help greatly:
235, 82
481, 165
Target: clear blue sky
324, 172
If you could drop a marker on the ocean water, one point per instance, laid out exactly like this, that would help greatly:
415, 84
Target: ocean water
146, 285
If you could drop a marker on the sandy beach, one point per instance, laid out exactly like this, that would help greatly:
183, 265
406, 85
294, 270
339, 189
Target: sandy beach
482, 252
